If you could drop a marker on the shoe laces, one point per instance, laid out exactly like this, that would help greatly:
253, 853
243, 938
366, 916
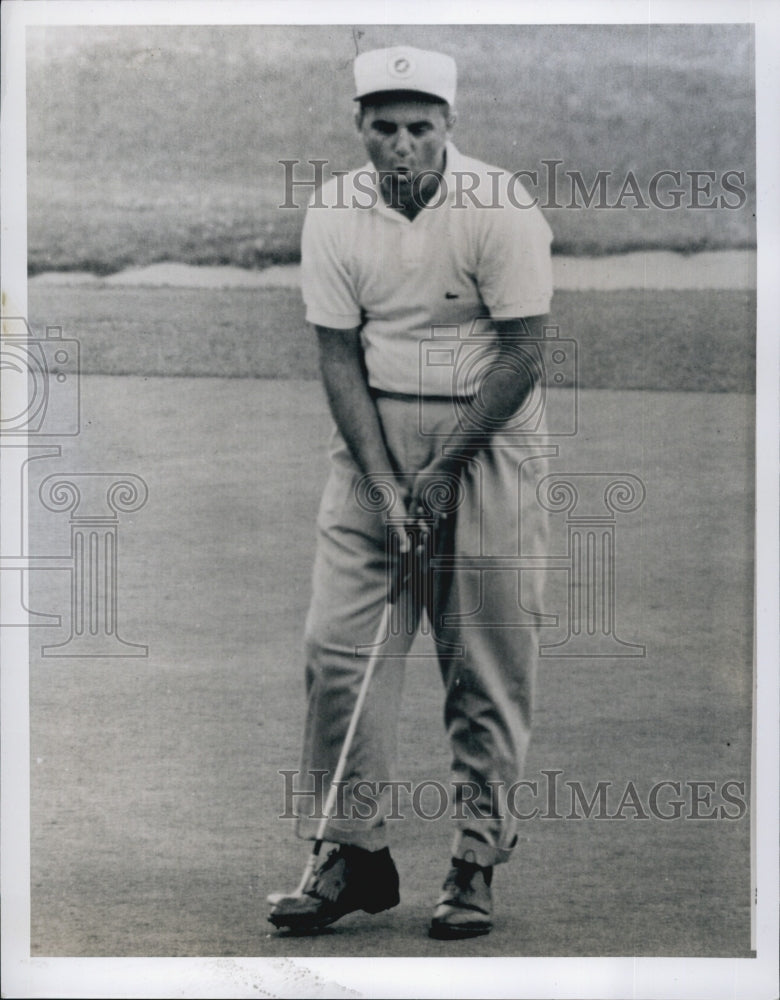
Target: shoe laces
462, 875
459, 877
331, 877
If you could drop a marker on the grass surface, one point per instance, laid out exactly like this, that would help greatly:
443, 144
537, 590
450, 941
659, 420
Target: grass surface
685, 340
155, 791
148, 144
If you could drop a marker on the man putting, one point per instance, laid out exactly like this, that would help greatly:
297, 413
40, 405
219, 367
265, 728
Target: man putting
421, 245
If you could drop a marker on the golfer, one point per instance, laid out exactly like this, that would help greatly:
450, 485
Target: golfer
424, 274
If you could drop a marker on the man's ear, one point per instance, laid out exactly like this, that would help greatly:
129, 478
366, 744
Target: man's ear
357, 114
452, 119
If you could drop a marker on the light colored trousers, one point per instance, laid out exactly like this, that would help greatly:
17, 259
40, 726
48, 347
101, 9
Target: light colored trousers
483, 621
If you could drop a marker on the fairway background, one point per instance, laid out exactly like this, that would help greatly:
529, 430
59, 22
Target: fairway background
154, 783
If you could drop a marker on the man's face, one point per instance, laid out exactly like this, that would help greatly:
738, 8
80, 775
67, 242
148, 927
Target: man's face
406, 138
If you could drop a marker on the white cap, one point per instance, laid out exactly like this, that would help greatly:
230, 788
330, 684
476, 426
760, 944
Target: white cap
405, 68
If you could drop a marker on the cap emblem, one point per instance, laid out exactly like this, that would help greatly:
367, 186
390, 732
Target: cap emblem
401, 66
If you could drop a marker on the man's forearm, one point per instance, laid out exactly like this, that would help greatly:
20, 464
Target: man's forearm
503, 391
499, 399
350, 401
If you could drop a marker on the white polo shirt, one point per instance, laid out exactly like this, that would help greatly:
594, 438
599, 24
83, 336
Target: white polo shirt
478, 250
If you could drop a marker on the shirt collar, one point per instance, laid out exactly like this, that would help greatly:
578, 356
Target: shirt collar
453, 166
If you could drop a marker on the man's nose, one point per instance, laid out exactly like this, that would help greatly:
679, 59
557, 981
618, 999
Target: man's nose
403, 144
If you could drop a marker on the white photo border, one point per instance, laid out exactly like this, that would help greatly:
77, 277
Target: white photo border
24, 976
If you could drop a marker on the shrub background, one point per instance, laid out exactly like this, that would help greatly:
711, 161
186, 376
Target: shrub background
163, 143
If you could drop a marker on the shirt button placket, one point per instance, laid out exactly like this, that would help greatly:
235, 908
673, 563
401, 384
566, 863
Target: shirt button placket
412, 246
